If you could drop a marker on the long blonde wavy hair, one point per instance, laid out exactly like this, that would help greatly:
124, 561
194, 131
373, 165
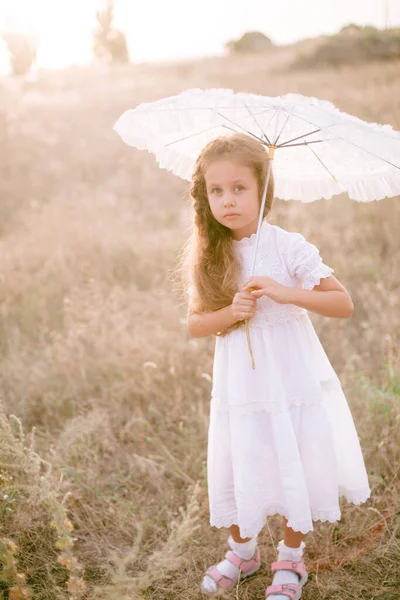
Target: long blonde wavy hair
209, 264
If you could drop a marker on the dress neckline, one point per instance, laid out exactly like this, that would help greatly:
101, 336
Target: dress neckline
250, 240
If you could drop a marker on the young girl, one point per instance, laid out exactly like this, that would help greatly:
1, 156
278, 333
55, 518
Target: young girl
281, 436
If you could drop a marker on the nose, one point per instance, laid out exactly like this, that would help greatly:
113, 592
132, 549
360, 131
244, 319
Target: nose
228, 201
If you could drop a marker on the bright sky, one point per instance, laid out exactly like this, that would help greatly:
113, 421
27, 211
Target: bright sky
159, 30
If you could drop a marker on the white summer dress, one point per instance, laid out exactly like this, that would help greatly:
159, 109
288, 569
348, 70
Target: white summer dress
281, 437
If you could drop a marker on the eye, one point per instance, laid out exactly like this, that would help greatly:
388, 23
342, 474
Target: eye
213, 189
240, 186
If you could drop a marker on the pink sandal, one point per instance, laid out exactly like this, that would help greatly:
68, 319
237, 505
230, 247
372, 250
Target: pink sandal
291, 590
226, 584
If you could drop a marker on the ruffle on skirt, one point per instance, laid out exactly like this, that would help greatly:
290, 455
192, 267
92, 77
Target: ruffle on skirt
295, 462
293, 454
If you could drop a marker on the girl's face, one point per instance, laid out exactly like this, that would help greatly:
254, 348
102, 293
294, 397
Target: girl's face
233, 196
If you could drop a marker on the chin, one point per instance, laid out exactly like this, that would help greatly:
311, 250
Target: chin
226, 223
231, 227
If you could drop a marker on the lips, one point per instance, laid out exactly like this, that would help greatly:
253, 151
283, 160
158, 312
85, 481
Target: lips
231, 215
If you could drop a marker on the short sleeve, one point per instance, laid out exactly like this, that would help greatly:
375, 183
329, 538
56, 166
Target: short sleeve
305, 262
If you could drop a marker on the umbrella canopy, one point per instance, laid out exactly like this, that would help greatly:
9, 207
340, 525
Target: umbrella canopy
318, 150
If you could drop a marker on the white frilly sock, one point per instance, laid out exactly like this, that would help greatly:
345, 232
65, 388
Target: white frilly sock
284, 576
245, 550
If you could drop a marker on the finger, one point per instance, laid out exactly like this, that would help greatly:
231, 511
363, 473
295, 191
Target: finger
252, 288
245, 302
248, 298
254, 278
245, 294
257, 293
246, 307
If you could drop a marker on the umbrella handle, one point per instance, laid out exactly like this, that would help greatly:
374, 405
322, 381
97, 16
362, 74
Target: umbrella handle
246, 322
270, 157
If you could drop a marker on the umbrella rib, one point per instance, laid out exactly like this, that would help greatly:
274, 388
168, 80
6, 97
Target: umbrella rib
243, 128
298, 137
349, 142
214, 127
286, 144
369, 152
284, 125
304, 143
193, 134
238, 131
316, 155
311, 132
249, 132
257, 123
269, 122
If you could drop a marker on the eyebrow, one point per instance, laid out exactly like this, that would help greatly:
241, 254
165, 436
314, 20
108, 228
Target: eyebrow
234, 181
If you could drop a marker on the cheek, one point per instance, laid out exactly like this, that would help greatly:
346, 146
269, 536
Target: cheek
213, 205
213, 202
251, 200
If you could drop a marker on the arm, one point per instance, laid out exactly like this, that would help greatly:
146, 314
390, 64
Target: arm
243, 306
321, 292
210, 323
329, 298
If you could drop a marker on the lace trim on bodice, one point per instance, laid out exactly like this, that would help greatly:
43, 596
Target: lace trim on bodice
265, 316
251, 239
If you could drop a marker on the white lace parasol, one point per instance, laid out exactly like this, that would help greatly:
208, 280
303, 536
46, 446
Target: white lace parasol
318, 150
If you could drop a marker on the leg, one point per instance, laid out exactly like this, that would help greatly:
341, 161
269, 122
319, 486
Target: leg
291, 538
234, 529
243, 548
289, 549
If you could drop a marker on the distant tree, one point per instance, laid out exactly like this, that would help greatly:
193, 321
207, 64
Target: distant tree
22, 48
350, 29
352, 45
109, 44
252, 41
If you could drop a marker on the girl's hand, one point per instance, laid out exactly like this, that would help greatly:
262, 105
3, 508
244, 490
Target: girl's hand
243, 306
265, 286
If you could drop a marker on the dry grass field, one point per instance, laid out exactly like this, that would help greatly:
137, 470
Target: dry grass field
104, 395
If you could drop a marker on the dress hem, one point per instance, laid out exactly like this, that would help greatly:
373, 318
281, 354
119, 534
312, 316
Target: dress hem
356, 497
